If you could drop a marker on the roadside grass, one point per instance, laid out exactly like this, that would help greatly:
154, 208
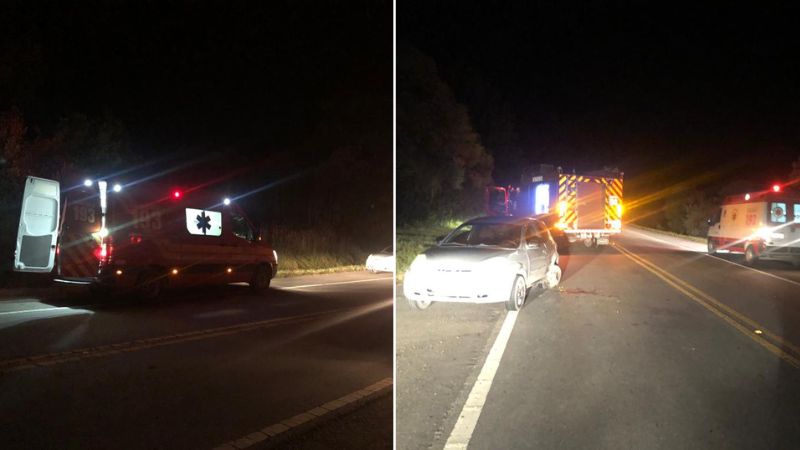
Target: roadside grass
413, 239
302, 252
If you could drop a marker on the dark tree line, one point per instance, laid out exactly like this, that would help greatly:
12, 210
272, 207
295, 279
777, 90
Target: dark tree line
442, 167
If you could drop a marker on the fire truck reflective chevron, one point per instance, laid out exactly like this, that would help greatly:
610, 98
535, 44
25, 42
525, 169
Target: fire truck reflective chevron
568, 186
585, 207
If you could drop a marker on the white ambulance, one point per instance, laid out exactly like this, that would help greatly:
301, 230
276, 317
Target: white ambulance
142, 236
762, 226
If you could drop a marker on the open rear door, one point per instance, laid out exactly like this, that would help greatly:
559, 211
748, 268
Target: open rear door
38, 226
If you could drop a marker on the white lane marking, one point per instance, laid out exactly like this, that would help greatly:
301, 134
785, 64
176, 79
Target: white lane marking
55, 308
462, 432
331, 284
279, 429
716, 258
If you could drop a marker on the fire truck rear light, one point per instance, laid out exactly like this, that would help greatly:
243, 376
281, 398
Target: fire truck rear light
101, 252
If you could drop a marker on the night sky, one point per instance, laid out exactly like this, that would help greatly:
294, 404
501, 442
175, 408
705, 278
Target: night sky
690, 89
251, 92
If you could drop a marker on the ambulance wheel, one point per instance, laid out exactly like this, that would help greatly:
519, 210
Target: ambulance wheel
149, 284
750, 257
518, 293
261, 278
712, 249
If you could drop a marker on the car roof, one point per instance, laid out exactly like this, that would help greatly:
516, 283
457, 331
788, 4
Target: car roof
511, 220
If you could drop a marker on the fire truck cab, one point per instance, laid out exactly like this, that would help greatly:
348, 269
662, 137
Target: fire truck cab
761, 226
141, 237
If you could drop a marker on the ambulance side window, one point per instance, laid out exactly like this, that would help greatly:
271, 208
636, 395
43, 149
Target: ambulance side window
241, 228
777, 212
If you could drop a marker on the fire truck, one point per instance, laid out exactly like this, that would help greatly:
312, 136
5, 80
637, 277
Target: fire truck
761, 225
140, 237
585, 207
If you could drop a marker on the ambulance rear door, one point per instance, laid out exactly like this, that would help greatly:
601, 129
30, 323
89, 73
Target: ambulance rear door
38, 226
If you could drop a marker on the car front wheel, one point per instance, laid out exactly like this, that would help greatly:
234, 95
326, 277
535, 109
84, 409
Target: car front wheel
420, 305
553, 276
518, 293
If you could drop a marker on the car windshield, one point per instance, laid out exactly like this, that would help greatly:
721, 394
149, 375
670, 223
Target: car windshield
485, 234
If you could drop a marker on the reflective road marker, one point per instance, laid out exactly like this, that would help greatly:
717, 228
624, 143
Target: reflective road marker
462, 432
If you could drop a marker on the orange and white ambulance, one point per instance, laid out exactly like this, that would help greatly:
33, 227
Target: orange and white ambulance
762, 226
142, 236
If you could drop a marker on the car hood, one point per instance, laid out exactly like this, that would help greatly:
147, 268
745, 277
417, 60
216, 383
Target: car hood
465, 254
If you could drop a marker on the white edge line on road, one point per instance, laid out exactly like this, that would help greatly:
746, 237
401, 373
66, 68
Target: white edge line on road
715, 258
462, 431
275, 430
55, 308
331, 284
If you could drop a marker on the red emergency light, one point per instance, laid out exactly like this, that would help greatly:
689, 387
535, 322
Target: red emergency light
776, 188
177, 194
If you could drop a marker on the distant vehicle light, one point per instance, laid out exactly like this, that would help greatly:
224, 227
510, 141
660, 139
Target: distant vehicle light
118, 272
746, 197
174, 271
229, 270
117, 187
776, 188
177, 194
88, 183
227, 201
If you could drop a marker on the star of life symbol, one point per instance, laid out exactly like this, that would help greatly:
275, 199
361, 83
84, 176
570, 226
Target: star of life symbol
201, 222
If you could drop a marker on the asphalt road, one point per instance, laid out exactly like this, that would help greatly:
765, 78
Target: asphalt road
648, 344
200, 369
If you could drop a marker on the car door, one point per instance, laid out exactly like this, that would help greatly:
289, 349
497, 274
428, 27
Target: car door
38, 226
536, 249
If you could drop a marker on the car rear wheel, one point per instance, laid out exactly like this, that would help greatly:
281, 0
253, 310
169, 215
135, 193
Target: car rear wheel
750, 257
420, 305
262, 277
518, 293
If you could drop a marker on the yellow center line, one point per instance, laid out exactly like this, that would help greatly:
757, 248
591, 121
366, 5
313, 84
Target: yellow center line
730, 316
29, 362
